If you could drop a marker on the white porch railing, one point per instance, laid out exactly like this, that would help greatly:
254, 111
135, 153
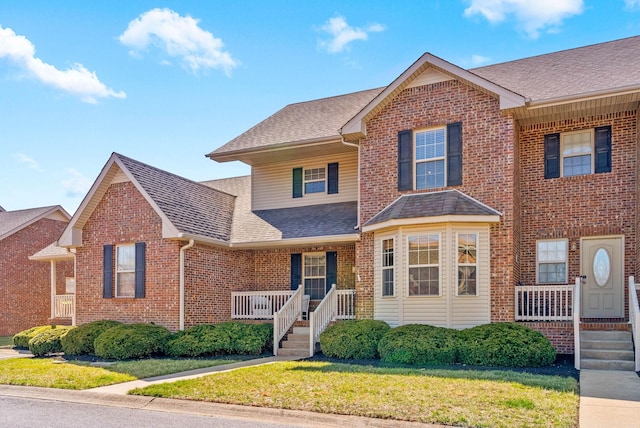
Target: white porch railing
284, 318
320, 318
64, 306
634, 318
576, 323
346, 304
544, 303
258, 304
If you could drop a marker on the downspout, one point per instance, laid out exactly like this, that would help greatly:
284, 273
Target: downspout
357, 226
182, 251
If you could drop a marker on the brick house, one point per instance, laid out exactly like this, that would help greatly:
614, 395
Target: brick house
28, 287
450, 197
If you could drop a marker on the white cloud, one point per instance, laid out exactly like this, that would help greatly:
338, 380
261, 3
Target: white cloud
342, 34
531, 16
632, 4
77, 184
29, 161
77, 80
179, 37
477, 60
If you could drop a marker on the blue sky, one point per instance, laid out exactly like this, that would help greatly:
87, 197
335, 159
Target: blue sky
166, 82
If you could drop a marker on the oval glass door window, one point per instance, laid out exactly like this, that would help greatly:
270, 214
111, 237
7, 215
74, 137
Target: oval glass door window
601, 267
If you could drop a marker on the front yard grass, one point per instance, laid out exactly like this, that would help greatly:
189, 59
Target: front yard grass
453, 397
6, 341
55, 373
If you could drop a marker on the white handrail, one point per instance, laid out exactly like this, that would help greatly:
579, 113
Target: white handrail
346, 304
286, 316
258, 304
543, 302
320, 318
576, 323
634, 318
64, 305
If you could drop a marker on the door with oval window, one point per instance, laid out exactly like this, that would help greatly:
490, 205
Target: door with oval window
602, 265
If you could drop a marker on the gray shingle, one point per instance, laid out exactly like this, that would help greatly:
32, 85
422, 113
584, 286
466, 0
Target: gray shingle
13, 221
417, 205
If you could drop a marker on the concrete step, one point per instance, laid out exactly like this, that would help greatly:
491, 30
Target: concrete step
607, 365
288, 352
297, 337
301, 330
296, 344
607, 354
605, 335
620, 345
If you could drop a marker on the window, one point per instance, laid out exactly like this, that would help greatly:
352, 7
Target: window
552, 261
314, 180
430, 158
125, 271
424, 265
467, 264
315, 275
387, 267
577, 153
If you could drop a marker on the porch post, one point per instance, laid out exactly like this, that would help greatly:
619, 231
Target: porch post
53, 288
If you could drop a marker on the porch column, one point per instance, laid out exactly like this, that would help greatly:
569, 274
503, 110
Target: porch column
53, 288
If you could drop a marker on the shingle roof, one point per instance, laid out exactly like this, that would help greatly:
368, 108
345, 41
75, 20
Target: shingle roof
191, 207
283, 223
593, 68
13, 221
311, 120
434, 204
2, 210
52, 252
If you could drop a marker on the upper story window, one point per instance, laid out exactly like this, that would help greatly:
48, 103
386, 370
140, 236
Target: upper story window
387, 267
315, 180
577, 153
551, 261
430, 158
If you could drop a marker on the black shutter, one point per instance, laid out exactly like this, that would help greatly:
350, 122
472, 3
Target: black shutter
297, 182
107, 271
332, 269
332, 178
552, 156
296, 270
454, 154
603, 149
140, 268
405, 160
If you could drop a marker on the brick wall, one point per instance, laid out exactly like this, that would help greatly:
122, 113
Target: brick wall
25, 285
559, 333
581, 206
123, 216
488, 174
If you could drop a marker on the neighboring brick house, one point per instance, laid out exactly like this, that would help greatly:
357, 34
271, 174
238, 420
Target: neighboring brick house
26, 285
450, 197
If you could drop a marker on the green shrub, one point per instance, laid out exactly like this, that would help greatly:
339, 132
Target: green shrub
128, 341
353, 339
189, 342
419, 344
79, 341
21, 339
505, 345
48, 341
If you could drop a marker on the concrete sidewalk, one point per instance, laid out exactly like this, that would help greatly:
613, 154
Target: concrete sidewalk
609, 399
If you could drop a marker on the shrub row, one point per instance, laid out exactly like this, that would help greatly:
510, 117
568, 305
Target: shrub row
114, 340
497, 345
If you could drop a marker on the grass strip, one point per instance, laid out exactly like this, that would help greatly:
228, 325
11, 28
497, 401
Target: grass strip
6, 341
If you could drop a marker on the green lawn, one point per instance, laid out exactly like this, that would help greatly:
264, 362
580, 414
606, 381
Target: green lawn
6, 341
451, 397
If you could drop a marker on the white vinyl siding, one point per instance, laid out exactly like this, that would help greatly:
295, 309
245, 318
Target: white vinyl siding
448, 309
271, 184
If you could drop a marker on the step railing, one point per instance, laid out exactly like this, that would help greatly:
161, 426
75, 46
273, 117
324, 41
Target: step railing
544, 302
346, 304
321, 316
284, 318
576, 323
258, 304
64, 306
634, 319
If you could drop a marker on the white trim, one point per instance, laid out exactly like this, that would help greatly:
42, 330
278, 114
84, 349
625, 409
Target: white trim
304, 277
565, 261
434, 159
392, 267
409, 265
418, 221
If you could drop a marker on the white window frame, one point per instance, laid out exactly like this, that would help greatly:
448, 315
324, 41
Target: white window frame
563, 136
131, 271
434, 159
564, 260
466, 264
318, 175
439, 265
385, 267
305, 276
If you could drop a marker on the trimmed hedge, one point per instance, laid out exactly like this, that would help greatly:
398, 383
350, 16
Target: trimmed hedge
222, 339
21, 339
129, 341
79, 341
353, 339
505, 345
419, 344
48, 341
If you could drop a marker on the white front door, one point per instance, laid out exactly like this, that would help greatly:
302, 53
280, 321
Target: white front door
602, 265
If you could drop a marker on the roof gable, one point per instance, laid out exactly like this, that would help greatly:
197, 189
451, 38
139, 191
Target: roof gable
14, 221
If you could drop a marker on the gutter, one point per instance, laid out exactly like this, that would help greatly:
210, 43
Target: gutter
550, 102
182, 251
